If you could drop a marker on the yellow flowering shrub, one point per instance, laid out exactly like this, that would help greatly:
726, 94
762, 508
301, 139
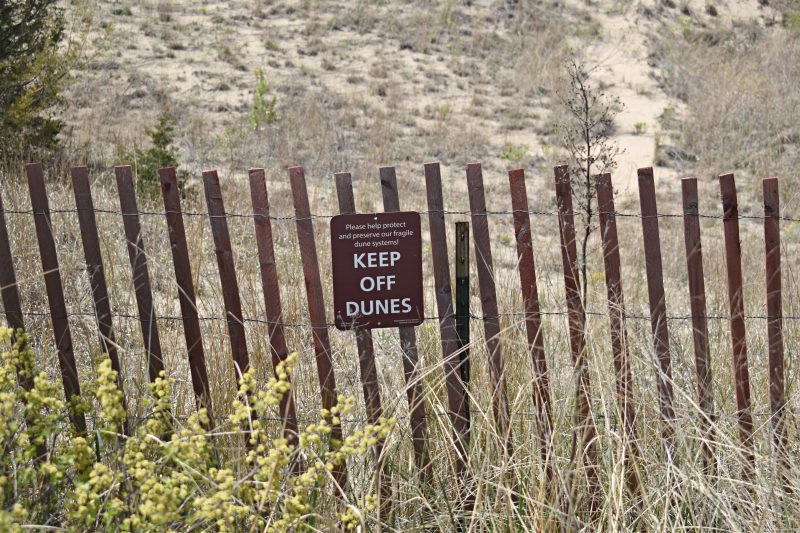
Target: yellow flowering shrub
166, 475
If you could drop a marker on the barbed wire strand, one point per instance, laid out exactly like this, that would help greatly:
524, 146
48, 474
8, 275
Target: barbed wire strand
314, 216
472, 316
404, 418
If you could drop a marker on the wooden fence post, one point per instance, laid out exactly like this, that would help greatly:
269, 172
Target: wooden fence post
777, 400
533, 319
619, 339
408, 343
186, 294
658, 307
733, 262
491, 314
227, 273
8, 287
12, 307
585, 428
95, 270
462, 302
272, 295
697, 301
141, 276
55, 290
366, 359
316, 304
456, 391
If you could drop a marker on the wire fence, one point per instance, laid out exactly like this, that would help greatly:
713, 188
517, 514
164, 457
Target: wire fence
316, 216
458, 396
471, 316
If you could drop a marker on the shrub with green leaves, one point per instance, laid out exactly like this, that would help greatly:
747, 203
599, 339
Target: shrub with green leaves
33, 70
160, 154
263, 106
167, 475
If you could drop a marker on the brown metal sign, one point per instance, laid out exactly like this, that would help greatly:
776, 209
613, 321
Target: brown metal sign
377, 270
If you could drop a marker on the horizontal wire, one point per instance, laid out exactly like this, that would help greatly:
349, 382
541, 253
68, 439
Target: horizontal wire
471, 316
437, 211
405, 418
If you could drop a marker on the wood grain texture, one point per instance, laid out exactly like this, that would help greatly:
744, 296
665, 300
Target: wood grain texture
141, 274
316, 303
179, 247
272, 293
619, 334
697, 303
658, 307
94, 269
55, 290
741, 372
488, 292
533, 318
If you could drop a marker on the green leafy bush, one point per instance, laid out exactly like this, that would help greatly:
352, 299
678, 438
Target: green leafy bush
263, 106
160, 154
514, 153
33, 69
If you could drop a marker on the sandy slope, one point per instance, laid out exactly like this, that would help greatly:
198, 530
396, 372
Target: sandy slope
376, 83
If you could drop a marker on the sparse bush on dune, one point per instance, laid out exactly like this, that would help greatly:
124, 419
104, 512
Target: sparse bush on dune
740, 90
160, 154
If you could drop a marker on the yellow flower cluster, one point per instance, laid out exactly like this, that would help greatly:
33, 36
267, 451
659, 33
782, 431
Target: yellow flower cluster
112, 413
353, 516
167, 476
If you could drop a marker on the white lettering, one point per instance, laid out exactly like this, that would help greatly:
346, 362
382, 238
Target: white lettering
375, 259
377, 283
367, 284
352, 308
392, 306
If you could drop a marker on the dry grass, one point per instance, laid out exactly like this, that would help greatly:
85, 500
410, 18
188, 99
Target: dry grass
739, 88
675, 496
364, 83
